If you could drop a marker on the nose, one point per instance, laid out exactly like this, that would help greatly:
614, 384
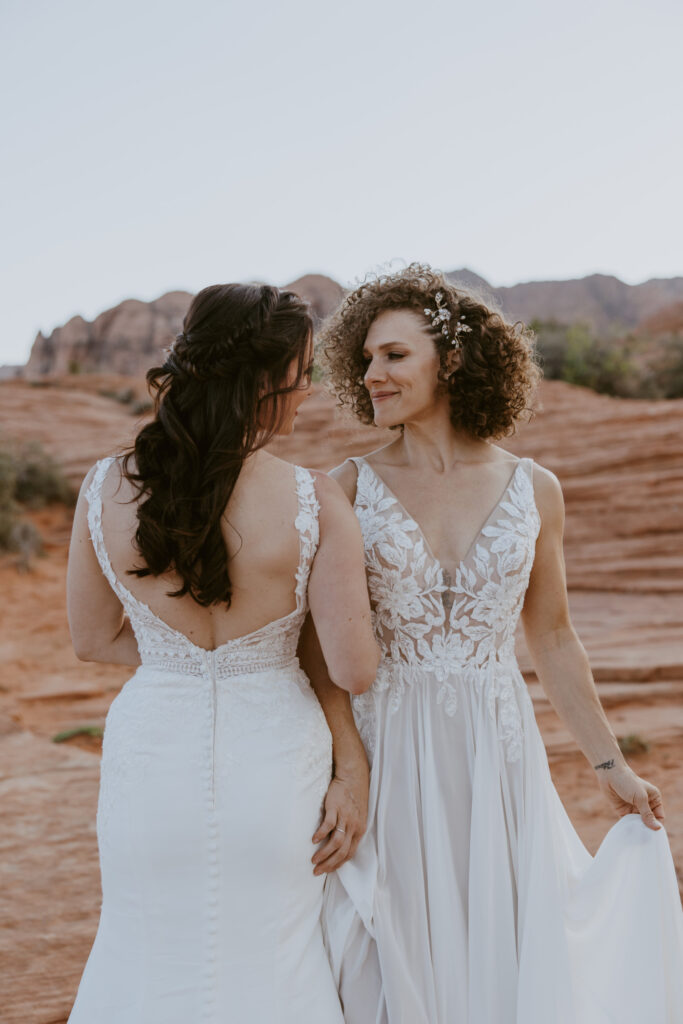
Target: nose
373, 373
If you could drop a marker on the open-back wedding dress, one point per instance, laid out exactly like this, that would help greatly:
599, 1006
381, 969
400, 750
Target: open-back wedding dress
214, 768
471, 899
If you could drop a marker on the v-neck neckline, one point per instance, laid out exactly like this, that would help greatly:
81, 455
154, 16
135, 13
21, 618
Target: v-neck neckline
461, 563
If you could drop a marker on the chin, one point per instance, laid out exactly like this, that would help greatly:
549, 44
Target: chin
383, 418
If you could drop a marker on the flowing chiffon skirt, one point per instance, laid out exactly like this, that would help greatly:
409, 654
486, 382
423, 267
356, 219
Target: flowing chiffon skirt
472, 899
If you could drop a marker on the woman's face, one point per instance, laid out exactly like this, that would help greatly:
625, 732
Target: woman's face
293, 399
402, 366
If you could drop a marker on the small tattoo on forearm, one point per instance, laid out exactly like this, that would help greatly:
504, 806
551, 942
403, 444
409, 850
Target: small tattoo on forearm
605, 764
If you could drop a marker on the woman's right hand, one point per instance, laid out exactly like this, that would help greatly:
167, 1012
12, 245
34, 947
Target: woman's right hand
345, 815
629, 794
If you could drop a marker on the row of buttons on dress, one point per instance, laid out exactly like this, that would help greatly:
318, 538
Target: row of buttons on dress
209, 658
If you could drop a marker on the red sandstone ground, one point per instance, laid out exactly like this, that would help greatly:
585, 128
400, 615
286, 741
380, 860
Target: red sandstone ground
621, 467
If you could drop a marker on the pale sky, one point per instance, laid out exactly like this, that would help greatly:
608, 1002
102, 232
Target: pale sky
150, 146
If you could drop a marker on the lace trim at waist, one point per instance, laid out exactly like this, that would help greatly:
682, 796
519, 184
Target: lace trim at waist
224, 666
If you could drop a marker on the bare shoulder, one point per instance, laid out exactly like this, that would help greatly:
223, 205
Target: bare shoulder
548, 494
329, 490
346, 477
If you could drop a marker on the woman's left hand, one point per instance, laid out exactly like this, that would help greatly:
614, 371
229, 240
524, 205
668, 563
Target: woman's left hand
345, 815
629, 794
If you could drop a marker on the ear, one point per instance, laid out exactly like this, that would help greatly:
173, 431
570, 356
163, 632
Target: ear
452, 362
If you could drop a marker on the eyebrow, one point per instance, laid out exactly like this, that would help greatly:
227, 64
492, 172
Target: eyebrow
387, 344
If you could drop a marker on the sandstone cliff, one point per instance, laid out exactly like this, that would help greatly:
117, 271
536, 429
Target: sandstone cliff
604, 303
130, 337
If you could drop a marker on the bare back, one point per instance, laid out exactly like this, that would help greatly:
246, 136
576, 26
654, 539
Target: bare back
262, 545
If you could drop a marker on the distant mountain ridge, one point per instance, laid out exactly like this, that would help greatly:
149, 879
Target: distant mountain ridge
129, 337
603, 302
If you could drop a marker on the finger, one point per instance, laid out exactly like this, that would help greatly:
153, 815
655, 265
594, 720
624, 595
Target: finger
646, 814
333, 862
326, 826
331, 846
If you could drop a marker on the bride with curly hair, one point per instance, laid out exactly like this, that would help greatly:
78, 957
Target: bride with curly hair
471, 897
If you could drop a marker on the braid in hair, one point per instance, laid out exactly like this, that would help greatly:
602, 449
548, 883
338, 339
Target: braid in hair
234, 354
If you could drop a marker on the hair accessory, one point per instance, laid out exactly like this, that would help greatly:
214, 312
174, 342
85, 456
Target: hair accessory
440, 318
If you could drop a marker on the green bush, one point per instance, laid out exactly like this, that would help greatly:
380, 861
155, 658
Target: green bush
29, 478
571, 352
39, 480
666, 368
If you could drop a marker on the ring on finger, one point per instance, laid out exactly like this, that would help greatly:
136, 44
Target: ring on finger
338, 829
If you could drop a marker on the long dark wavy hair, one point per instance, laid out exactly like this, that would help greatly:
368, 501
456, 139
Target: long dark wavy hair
217, 398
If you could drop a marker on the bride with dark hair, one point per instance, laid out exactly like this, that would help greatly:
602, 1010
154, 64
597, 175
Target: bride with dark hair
196, 557
471, 899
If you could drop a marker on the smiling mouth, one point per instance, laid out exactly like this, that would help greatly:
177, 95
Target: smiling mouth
381, 395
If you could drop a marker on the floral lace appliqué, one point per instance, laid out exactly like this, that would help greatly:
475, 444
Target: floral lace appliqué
460, 630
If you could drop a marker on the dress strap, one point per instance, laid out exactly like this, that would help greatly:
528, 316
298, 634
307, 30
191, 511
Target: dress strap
360, 463
528, 469
94, 499
308, 527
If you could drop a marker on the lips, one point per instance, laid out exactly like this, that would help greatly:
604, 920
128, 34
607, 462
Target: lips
379, 396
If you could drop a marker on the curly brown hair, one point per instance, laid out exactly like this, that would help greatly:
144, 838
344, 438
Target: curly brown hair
497, 374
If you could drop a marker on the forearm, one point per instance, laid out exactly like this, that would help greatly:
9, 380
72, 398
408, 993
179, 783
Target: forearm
347, 745
121, 649
564, 672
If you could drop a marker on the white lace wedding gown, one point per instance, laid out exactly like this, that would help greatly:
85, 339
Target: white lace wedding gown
214, 768
471, 899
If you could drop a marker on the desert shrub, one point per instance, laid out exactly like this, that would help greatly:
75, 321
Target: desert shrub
125, 396
142, 406
666, 368
79, 730
571, 352
25, 541
39, 480
8, 506
29, 478
633, 744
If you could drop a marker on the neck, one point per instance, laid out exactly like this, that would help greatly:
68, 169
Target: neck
432, 440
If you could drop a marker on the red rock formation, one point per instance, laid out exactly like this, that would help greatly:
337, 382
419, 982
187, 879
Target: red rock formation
131, 337
621, 466
603, 302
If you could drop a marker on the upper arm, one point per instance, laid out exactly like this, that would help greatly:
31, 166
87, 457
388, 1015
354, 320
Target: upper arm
338, 593
546, 606
93, 609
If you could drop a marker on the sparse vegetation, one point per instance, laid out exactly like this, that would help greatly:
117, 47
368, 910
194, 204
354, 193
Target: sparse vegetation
633, 744
79, 730
29, 479
142, 406
39, 480
630, 367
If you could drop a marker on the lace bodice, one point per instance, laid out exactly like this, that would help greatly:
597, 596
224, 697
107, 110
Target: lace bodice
163, 647
459, 627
